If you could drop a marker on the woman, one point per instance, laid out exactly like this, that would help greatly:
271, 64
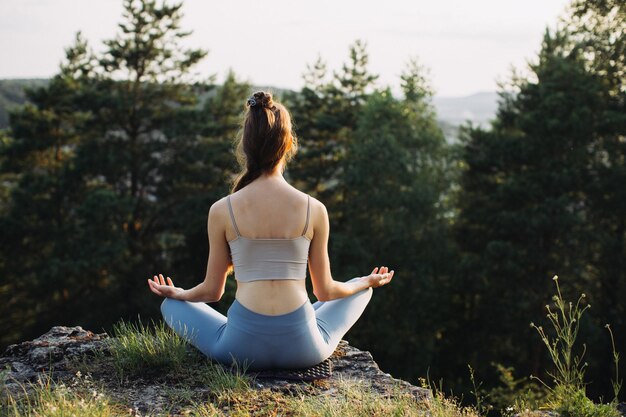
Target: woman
267, 231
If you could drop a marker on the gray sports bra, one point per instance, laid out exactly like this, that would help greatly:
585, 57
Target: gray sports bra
269, 258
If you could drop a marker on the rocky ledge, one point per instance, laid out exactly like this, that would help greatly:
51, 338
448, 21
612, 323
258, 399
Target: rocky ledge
57, 352
54, 351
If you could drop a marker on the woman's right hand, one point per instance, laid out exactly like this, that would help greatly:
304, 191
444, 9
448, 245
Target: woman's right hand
164, 288
379, 277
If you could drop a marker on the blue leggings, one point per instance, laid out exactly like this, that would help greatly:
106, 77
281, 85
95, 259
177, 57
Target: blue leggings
299, 339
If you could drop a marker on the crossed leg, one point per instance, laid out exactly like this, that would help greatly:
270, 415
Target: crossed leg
197, 323
336, 317
203, 326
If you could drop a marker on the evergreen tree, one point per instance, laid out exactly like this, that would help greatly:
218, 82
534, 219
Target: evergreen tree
330, 110
316, 126
395, 184
102, 157
599, 27
524, 207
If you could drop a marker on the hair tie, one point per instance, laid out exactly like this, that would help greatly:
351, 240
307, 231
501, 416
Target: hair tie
251, 102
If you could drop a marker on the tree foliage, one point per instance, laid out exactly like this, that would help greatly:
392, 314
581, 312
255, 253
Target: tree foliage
109, 169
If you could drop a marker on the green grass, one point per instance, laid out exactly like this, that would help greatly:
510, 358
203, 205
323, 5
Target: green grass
185, 376
567, 396
137, 349
195, 386
514, 395
52, 399
352, 399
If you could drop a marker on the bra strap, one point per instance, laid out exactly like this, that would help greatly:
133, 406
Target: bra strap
306, 224
232, 216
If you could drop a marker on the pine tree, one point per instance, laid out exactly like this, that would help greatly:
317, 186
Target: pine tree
524, 206
105, 160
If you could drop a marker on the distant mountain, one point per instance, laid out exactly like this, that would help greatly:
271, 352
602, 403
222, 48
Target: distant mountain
479, 108
12, 94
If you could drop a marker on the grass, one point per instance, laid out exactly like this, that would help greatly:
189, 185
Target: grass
352, 399
185, 376
193, 385
136, 348
51, 399
515, 395
567, 396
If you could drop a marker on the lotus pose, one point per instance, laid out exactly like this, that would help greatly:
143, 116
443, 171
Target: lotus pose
267, 231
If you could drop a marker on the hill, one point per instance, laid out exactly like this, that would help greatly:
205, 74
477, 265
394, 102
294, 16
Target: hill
479, 108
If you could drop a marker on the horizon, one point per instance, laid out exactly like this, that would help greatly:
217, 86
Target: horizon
437, 96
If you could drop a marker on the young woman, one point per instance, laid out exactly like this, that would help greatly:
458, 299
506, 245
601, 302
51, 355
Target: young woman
267, 231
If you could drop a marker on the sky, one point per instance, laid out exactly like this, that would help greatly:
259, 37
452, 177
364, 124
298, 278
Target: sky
467, 46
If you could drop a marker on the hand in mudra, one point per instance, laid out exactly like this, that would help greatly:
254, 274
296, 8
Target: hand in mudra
379, 277
164, 289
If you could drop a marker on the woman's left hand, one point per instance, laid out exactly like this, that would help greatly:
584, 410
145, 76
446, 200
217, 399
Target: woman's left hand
164, 289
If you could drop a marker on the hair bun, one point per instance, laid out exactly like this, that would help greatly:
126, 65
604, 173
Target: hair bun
261, 98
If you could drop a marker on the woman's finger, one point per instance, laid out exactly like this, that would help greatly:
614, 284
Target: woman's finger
154, 289
162, 279
374, 271
169, 282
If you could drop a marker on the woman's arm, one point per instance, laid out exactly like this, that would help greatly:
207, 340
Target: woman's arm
212, 288
325, 287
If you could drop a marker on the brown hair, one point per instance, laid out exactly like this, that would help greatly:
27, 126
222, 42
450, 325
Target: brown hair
264, 138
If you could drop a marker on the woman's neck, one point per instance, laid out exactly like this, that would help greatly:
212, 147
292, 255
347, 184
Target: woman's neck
276, 173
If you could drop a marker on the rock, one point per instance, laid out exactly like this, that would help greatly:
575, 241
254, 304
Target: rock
26, 361
537, 414
349, 362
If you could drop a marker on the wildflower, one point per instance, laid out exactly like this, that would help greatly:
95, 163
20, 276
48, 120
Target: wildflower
533, 324
607, 326
582, 295
78, 374
555, 278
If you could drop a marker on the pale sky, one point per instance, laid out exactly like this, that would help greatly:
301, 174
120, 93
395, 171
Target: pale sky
467, 45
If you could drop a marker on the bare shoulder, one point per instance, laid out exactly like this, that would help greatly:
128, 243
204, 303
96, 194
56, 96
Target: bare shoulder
318, 210
219, 208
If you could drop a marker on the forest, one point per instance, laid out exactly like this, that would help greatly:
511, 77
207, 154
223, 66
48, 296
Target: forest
107, 173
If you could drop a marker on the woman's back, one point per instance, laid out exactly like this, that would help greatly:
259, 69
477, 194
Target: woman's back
269, 232
275, 213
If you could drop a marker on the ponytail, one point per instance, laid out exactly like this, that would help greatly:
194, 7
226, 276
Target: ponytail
265, 137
